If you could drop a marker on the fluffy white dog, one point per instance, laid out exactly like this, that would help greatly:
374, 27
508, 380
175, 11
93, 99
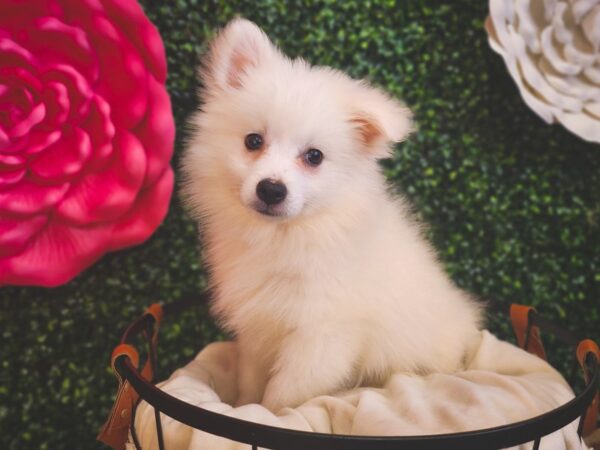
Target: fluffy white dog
320, 273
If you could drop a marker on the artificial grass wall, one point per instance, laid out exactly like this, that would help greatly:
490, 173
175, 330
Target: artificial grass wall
513, 204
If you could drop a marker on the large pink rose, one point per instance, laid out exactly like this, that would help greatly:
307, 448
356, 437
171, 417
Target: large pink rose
86, 135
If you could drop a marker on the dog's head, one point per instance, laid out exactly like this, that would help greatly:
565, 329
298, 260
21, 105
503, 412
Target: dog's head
281, 138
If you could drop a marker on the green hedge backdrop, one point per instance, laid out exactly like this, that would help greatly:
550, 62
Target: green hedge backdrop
513, 204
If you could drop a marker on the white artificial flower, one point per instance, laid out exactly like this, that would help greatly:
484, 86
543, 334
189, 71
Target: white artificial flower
552, 50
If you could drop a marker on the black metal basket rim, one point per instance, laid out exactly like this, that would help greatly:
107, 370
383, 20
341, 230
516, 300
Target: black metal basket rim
266, 436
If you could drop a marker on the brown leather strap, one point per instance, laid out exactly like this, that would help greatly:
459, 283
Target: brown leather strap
591, 417
116, 429
528, 335
156, 311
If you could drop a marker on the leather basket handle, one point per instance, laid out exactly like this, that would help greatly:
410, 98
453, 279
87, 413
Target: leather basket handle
115, 431
528, 335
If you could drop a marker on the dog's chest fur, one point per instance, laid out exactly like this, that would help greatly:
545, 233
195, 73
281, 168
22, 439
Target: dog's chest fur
274, 280
376, 279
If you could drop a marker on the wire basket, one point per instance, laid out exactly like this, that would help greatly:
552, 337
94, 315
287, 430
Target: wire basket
135, 384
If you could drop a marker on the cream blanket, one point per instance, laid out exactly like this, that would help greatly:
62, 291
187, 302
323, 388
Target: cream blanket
502, 384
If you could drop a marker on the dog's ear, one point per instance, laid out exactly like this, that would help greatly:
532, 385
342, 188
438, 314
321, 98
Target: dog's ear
239, 47
379, 120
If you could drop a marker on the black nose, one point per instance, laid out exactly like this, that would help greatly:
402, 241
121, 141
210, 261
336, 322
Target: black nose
271, 192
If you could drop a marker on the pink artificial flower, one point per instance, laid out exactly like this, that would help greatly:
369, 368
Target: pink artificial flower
86, 135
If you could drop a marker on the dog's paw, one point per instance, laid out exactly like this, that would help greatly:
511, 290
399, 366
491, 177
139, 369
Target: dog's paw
272, 405
279, 395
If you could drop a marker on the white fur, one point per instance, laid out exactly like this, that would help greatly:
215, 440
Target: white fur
340, 289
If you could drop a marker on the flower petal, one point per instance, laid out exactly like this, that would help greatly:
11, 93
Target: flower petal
157, 131
64, 158
14, 55
16, 98
123, 82
98, 125
40, 140
56, 255
583, 125
53, 41
561, 32
4, 139
593, 74
527, 26
30, 198
141, 32
14, 15
80, 91
148, 212
553, 55
590, 25
35, 116
15, 233
110, 194
573, 86
20, 76
12, 177
11, 169
593, 109
11, 161
58, 104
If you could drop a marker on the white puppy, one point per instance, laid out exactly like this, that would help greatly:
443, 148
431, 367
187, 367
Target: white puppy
320, 273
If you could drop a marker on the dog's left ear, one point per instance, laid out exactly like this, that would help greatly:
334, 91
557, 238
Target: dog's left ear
379, 121
239, 48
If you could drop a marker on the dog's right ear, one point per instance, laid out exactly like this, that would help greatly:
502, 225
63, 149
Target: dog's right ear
379, 120
238, 48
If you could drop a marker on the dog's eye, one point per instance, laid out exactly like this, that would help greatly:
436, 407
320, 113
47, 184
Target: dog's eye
253, 141
313, 157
